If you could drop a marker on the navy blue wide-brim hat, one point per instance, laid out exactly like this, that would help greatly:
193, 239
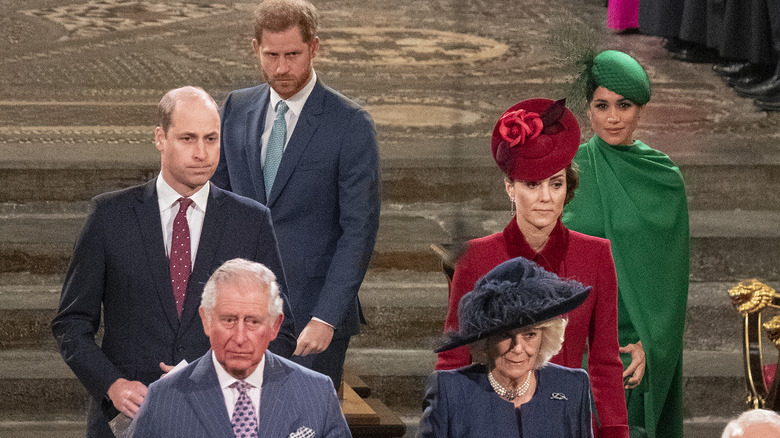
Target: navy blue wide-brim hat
514, 294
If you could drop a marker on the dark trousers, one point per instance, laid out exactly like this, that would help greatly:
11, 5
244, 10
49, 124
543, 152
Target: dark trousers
774, 22
330, 362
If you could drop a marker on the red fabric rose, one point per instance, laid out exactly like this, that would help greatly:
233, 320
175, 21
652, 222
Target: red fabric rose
518, 126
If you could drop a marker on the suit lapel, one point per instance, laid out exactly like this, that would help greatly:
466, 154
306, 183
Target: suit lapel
206, 398
147, 212
210, 238
255, 123
275, 413
299, 141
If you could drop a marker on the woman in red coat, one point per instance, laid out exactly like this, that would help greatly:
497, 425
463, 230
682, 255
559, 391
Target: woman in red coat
533, 143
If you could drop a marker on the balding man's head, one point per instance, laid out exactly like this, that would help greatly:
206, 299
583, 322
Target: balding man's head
168, 103
756, 423
188, 139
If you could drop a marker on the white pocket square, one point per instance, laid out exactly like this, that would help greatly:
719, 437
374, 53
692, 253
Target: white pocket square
302, 432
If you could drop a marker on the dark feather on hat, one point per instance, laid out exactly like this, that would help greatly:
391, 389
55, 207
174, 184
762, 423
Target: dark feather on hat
514, 294
504, 157
552, 116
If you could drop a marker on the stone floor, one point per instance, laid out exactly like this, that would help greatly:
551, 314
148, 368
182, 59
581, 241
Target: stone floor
79, 82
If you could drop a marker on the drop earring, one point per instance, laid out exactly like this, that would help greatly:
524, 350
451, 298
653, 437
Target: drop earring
511, 206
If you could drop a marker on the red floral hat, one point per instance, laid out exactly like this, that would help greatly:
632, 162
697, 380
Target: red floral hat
535, 139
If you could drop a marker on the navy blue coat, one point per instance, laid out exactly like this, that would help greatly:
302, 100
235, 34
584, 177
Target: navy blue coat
119, 266
461, 403
190, 404
325, 198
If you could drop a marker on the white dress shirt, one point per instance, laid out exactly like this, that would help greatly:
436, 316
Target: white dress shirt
231, 394
167, 199
295, 104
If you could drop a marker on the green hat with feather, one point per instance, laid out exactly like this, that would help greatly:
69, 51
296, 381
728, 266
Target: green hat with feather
621, 74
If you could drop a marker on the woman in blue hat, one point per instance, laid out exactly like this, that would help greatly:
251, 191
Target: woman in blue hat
512, 319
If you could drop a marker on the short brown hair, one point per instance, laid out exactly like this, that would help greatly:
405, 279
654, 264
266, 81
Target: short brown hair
168, 103
280, 15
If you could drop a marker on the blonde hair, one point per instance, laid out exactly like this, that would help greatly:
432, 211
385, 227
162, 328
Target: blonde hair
552, 340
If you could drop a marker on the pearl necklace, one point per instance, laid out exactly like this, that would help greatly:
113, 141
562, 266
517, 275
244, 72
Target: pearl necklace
510, 394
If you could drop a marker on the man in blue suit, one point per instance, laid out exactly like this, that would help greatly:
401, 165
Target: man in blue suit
238, 388
143, 257
310, 155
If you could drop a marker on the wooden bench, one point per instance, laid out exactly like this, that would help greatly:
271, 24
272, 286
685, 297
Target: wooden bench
367, 416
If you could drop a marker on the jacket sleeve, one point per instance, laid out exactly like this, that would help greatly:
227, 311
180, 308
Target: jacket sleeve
78, 317
435, 419
604, 365
586, 425
359, 203
335, 424
144, 424
462, 282
221, 177
268, 253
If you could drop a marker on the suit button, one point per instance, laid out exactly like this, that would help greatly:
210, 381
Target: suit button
180, 349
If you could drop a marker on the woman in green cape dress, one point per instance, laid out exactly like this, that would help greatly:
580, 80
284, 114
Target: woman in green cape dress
634, 196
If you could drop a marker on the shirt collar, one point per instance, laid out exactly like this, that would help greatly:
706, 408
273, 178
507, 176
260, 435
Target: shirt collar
550, 257
225, 380
167, 196
296, 102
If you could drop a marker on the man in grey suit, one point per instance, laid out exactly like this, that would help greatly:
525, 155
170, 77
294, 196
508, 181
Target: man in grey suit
238, 388
143, 257
310, 155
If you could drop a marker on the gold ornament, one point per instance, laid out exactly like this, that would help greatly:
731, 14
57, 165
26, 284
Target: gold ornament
751, 296
773, 330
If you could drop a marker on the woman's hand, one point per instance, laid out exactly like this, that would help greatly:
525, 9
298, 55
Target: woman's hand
633, 374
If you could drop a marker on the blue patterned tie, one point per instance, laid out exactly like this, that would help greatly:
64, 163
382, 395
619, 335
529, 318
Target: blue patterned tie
275, 147
244, 419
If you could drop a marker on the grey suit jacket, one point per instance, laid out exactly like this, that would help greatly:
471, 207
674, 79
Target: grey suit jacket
324, 202
190, 403
119, 268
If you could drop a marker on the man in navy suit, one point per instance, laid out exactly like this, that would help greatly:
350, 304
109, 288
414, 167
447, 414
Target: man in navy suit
310, 155
237, 388
121, 264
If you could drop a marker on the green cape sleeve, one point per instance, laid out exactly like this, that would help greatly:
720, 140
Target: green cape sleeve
635, 197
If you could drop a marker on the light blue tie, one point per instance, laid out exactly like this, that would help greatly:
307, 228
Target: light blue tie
275, 147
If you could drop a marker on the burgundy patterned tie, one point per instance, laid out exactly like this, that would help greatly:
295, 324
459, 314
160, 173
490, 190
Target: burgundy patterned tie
244, 419
180, 259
